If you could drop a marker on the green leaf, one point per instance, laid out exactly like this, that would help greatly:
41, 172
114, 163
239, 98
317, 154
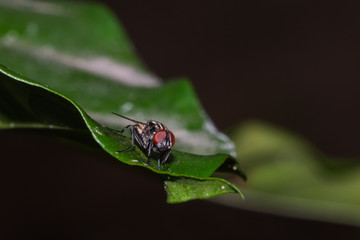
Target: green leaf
72, 66
287, 175
182, 189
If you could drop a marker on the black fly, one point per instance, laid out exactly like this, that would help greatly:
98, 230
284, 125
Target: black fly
152, 136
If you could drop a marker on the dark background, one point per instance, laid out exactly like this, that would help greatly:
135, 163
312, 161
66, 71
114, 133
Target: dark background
291, 63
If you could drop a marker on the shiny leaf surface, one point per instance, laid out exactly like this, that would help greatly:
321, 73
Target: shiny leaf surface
74, 83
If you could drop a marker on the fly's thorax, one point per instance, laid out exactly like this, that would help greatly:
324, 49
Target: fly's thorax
154, 126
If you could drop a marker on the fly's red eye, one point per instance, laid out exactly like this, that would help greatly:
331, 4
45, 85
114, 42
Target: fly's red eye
172, 138
159, 136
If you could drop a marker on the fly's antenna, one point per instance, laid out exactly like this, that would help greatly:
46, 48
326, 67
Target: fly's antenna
127, 118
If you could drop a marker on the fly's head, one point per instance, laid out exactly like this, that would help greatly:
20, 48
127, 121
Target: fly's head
162, 137
164, 140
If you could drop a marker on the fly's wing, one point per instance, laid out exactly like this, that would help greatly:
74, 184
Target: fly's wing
127, 118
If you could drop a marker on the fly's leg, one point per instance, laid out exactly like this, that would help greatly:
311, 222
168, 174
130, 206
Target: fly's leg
150, 146
132, 138
124, 129
164, 157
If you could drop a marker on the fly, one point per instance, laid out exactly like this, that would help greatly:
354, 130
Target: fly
152, 137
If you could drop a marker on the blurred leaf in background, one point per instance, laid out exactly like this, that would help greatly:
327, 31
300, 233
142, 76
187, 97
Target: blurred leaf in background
288, 176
